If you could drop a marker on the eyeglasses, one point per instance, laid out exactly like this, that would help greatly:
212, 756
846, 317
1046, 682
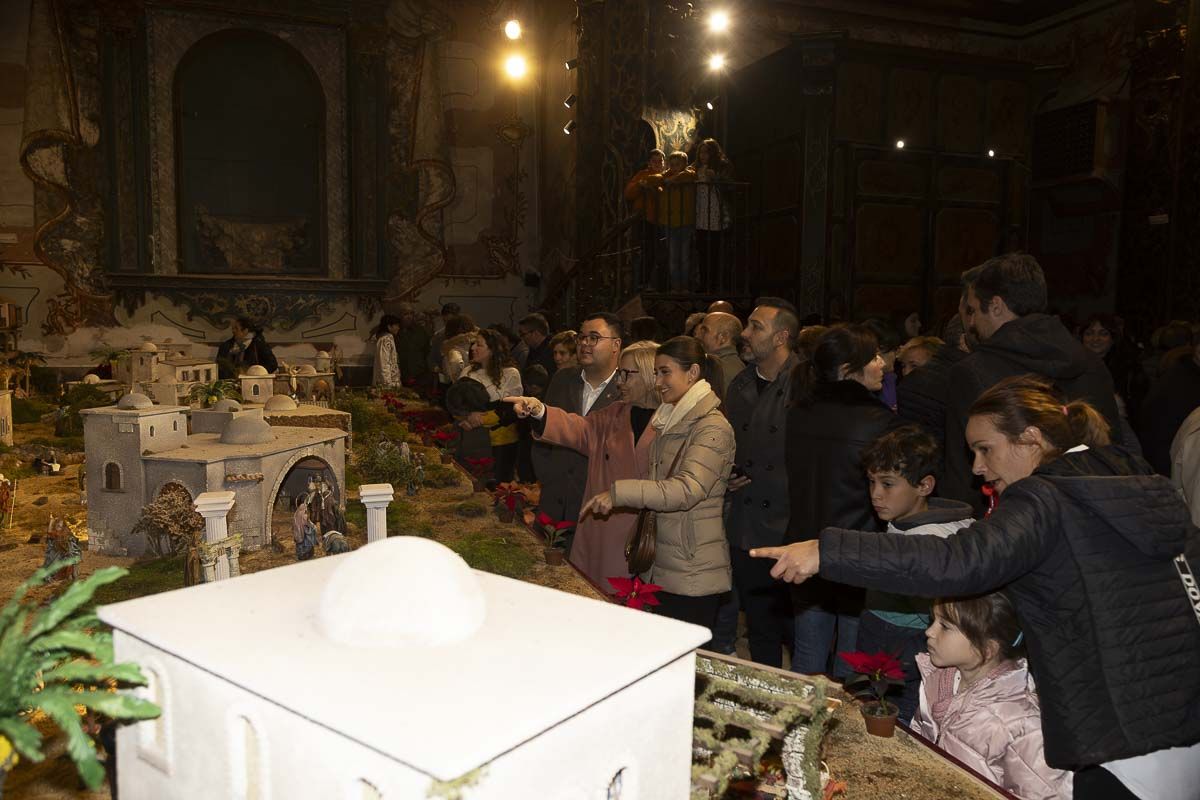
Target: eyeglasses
593, 339
623, 375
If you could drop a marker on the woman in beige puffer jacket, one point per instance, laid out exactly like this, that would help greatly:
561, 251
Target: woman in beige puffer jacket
691, 559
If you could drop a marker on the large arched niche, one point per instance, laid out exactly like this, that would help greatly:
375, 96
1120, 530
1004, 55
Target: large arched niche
249, 118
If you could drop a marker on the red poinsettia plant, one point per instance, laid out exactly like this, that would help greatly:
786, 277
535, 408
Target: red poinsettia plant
634, 593
876, 675
480, 467
552, 528
512, 496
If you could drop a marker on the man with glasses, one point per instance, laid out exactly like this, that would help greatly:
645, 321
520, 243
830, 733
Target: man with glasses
534, 331
563, 472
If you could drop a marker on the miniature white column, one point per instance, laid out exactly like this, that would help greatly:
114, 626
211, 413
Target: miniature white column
376, 497
214, 507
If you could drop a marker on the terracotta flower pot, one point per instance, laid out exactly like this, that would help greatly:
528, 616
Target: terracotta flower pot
554, 556
477, 485
505, 513
877, 724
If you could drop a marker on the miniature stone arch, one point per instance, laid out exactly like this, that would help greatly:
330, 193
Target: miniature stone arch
277, 484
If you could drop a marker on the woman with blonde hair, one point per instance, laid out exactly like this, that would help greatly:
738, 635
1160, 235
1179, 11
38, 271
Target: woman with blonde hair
564, 348
617, 440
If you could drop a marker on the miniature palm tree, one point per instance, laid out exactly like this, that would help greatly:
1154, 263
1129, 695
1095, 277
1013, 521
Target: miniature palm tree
55, 658
206, 394
107, 354
25, 362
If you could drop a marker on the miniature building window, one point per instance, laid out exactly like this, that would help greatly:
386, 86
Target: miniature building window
152, 430
124, 427
254, 390
175, 425
112, 477
153, 735
208, 374
248, 761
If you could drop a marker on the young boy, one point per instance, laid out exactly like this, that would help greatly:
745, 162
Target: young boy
901, 467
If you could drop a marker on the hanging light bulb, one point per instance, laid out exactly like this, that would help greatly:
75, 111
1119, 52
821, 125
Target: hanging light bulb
515, 66
716, 62
718, 21
512, 29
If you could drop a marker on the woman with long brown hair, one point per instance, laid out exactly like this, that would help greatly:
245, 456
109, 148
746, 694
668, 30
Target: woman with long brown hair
1094, 551
493, 367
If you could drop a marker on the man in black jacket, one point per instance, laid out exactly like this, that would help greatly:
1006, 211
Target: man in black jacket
756, 504
1005, 301
534, 331
244, 349
562, 471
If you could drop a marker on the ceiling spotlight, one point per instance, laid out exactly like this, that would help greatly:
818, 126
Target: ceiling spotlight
711, 104
570, 100
991, 153
718, 22
899, 144
569, 127
572, 64
716, 62
512, 29
515, 66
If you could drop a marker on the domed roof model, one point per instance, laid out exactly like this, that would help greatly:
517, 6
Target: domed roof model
401, 572
280, 402
322, 354
307, 369
91, 378
256, 371
246, 430
227, 404
148, 347
134, 401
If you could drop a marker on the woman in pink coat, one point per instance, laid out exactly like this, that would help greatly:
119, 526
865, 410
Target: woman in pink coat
616, 439
978, 702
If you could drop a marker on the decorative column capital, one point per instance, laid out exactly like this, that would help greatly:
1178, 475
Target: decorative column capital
376, 495
214, 504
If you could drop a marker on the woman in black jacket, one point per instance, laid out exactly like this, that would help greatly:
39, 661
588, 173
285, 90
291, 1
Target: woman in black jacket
1093, 549
835, 415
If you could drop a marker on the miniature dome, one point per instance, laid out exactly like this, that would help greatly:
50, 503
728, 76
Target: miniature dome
256, 371
401, 572
307, 369
246, 430
227, 404
322, 354
148, 347
134, 401
279, 402
91, 378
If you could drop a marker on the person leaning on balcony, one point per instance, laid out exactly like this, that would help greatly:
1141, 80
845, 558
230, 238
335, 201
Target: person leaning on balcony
714, 211
641, 192
677, 210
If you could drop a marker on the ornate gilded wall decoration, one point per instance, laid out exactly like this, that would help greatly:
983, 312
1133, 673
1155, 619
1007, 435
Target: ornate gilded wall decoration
58, 153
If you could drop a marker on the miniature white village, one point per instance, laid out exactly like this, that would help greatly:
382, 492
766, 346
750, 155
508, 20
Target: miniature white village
264, 453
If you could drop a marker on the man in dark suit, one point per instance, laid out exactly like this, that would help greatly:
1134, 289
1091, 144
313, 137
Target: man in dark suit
245, 349
1005, 301
563, 472
534, 331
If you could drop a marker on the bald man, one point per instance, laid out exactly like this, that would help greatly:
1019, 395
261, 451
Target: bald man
719, 332
721, 305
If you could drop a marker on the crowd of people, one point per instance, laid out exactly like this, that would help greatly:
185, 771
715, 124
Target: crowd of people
973, 500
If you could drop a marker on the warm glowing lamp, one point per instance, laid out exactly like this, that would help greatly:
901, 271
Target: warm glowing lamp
512, 29
515, 66
718, 22
716, 62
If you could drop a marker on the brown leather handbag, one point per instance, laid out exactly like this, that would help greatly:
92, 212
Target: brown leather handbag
639, 550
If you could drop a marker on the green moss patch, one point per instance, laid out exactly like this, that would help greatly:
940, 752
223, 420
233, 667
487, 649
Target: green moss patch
494, 554
145, 577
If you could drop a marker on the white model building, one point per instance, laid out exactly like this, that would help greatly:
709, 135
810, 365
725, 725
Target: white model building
396, 672
135, 449
165, 374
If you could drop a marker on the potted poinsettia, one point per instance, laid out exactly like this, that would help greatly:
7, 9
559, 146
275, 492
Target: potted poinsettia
480, 469
553, 530
876, 674
54, 659
635, 594
510, 500
445, 441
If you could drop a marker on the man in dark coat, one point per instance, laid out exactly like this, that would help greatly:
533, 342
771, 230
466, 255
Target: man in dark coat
412, 344
534, 331
244, 349
719, 333
562, 471
1171, 399
921, 393
756, 504
1005, 301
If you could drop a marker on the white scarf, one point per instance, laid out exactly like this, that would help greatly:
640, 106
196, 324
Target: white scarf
668, 415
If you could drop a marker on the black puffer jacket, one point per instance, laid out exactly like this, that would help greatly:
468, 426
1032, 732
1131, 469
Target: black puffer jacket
1035, 343
826, 483
1085, 549
921, 396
